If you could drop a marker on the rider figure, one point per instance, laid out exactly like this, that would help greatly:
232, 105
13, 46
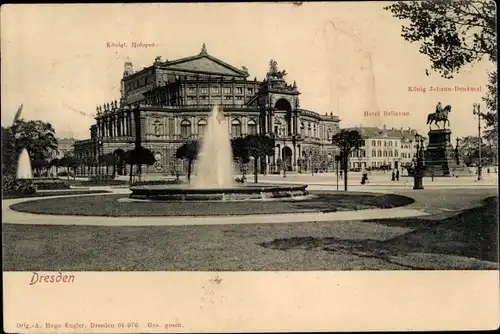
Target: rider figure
439, 109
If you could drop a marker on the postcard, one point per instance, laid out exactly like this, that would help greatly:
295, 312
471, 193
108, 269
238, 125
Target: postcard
249, 167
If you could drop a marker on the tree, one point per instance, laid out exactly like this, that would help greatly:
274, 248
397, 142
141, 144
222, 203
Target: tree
109, 159
347, 141
55, 163
190, 152
468, 150
37, 137
39, 163
9, 152
259, 146
70, 162
90, 162
139, 156
240, 150
452, 33
491, 116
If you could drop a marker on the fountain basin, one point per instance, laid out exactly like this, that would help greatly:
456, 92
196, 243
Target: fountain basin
236, 193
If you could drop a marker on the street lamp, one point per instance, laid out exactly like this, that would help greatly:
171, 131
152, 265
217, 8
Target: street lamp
456, 151
284, 151
419, 164
476, 110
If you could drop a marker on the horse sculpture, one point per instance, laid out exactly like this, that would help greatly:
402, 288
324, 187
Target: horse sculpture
441, 115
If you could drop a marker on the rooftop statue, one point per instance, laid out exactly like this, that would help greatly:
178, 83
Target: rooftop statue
274, 72
203, 49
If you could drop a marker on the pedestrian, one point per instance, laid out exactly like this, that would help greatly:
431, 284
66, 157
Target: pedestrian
364, 177
432, 175
393, 177
341, 172
488, 171
397, 174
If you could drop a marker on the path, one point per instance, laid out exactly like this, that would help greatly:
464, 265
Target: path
14, 217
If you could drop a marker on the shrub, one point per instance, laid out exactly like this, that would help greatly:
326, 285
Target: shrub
157, 182
101, 178
13, 186
51, 185
65, 173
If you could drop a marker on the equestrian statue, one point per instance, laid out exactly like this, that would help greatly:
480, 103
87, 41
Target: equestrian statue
440, 115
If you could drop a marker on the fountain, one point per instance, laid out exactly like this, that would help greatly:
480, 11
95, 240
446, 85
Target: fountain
214, 174
216, 147
24, 166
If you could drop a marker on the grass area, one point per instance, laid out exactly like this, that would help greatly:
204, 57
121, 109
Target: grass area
465, 241
80, 183
50, 193
472, 234
110, 206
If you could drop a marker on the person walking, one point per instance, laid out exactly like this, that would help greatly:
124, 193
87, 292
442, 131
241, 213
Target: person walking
364, 177
393, 177
397, 174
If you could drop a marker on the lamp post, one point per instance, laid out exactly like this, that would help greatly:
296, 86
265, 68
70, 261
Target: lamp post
418, 172
284, 158
476, 110
457, 157
337, 162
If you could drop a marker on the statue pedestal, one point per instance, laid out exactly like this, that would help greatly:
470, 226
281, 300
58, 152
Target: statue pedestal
440, 157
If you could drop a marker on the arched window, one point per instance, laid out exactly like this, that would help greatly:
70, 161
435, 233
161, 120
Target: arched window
374, 153
390, 154
309, 129
314, 131
236, 128
363, 153
385, 154
374, 143
396, 153
390, 143
302, 129
379, 153
185, 129
201, 127
252, 127
379, 143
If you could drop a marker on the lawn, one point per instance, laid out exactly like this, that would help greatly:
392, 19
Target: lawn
467, 240
62, 192
110, 206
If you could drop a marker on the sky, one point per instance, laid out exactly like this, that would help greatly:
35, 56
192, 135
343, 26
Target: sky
346, 58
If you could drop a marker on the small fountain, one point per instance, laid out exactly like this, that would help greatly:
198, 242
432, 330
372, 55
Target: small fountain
24, 166
214, 174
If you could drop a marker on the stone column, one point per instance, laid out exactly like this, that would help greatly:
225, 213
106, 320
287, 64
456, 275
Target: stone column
209, 91
244, 125
193, 126
132, 125
197, 91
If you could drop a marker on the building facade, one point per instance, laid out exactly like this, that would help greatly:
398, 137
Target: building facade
384, 148
168, 103
65, 146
